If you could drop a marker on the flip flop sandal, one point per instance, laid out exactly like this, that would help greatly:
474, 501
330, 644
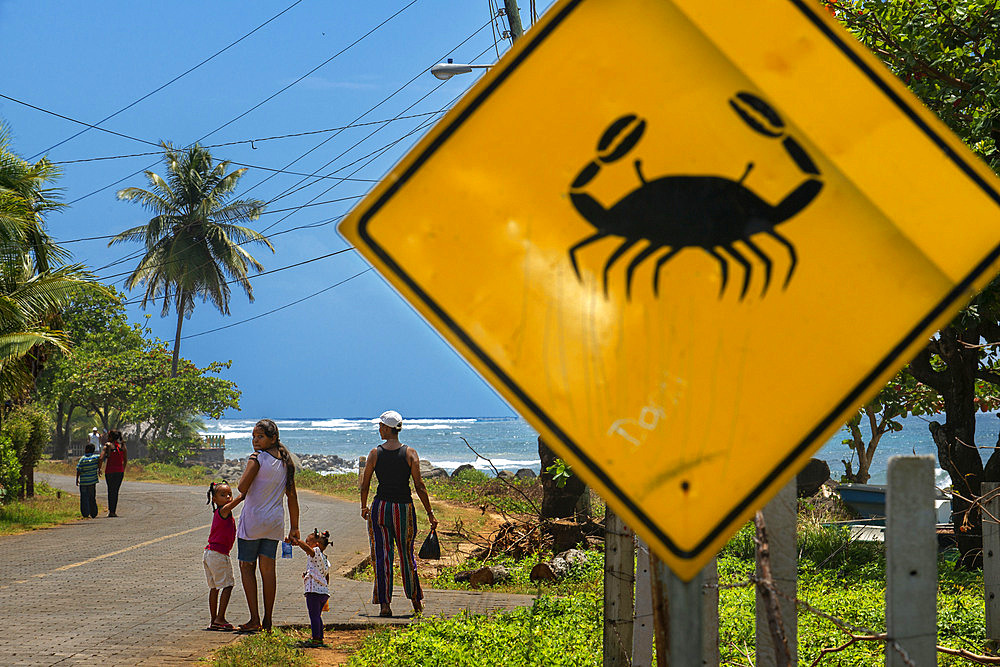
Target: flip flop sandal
222, 627
248, 629
385, 614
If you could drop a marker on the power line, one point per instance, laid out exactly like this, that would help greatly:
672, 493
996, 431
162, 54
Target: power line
270, 312
74, 120
371, 109
227, 143
277, 210
179, 76
376, 154
379, 153
258, 275
136, 173
271, 97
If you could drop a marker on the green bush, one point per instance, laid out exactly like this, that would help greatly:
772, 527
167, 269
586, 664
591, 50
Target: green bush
552, 632
829, 547
28, 429
10, 470
470, 475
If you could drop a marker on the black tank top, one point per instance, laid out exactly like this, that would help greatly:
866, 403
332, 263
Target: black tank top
393, 473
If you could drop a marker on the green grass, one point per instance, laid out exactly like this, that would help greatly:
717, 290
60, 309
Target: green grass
138, 470
473, 487
49, 507
582, 577
275, 649
837, 576
847, 581
341, 485
552, 632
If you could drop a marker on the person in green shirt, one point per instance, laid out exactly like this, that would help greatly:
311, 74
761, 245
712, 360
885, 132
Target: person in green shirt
86, 478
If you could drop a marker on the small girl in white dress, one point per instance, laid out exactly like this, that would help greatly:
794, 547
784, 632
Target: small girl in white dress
316, 579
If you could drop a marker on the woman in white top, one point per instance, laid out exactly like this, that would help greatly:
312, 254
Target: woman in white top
269, 476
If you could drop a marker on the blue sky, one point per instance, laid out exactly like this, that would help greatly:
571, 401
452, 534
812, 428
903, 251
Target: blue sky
354, 350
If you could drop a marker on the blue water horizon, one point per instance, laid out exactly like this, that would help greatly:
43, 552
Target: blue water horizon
511, 443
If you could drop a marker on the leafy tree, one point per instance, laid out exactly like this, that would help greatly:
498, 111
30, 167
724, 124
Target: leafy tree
97, 326
34, 282
903, 396
166, 409
193, 242
947, 53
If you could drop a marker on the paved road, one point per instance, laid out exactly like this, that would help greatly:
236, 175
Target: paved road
132, 591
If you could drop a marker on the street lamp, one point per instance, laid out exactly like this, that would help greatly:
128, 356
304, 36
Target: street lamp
445, 71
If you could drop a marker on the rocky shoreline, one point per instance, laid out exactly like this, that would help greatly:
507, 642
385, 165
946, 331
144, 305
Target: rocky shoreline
231, 469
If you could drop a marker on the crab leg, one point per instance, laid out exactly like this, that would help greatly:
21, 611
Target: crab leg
763, 258
747, 269
628, 243
588, 240
649, 250
724, 267
659, 265
791, 252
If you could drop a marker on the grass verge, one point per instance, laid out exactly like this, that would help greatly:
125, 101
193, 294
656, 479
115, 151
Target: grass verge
275, 649
141, 471
49, 507
553, 631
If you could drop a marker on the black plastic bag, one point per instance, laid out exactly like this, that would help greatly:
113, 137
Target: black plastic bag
431, 548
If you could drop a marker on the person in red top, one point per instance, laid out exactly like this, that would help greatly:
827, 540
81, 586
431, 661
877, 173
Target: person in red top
218, 567
114, 456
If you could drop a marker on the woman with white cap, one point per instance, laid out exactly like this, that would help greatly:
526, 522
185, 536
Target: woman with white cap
392, 518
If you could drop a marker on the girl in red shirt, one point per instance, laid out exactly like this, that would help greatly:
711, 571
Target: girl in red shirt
218, 567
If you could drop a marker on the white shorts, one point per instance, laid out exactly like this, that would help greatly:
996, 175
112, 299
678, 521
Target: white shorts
218, 569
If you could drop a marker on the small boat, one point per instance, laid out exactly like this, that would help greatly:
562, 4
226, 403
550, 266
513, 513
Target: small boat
868, 500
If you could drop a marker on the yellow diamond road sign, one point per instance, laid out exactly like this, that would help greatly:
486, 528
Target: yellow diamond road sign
685, 240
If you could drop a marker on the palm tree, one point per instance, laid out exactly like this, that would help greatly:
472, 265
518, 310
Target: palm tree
34, 283
194, 244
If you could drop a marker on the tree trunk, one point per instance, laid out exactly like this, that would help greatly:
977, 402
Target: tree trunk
956, 442
64, 416
177, 336
557, 502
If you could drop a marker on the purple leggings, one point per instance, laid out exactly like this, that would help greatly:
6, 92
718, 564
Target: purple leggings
314, 603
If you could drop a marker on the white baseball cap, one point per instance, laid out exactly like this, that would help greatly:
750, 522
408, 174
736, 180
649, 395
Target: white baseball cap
392, 419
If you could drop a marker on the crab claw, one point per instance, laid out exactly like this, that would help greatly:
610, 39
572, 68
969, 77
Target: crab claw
758, 114
607, 150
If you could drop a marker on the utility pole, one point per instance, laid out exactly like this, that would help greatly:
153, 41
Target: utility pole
513, 19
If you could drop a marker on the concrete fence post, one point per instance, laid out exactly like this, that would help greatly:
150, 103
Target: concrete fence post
710, 615
780, 519
991, 559
911, 563
642, 631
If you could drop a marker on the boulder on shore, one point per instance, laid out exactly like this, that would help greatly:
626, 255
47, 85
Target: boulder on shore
505, 474
811, 478
525, 473
462, 468
430, 471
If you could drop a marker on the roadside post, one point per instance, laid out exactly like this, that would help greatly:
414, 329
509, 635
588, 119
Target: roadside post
685, 239
991, 559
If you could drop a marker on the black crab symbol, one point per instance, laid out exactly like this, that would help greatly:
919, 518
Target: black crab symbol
708, 212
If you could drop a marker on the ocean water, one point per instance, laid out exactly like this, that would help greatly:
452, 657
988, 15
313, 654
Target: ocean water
511, 443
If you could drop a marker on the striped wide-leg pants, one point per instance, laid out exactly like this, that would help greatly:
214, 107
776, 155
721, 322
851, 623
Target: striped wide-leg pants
391, 523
